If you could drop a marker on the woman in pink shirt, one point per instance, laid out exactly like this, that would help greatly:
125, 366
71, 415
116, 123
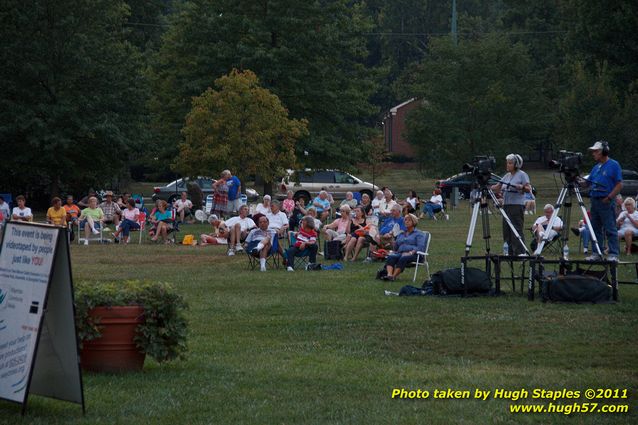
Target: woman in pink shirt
339, 230
289, 204
130, 217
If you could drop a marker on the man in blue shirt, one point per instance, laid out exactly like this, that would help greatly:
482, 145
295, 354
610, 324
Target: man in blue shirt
234, 191
322, 205
605, 180
392, 226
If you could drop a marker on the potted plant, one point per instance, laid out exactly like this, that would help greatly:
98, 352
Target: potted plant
118, 323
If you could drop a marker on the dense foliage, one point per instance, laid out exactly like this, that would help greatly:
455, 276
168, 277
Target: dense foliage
163, 333
93, 91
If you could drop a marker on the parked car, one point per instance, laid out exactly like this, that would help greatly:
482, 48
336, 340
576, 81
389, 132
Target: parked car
464, 181
174, 189
629, 184
308, 183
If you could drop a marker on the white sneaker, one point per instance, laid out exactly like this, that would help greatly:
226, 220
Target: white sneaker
86, 242
262, 269
106, 229
290, 269
585, 251
447, 216
593, 257
96, 232
320, 253
239, 248
231, 252
612, 258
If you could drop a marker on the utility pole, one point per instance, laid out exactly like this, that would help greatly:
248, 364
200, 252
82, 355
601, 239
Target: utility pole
454, 19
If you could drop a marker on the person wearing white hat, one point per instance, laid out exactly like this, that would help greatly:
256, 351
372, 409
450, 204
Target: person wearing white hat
514, 184
605, 181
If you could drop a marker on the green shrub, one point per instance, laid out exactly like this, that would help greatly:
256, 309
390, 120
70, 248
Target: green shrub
163, 333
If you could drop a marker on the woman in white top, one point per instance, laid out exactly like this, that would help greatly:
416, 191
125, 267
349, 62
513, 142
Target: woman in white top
264, 208
628, 224
376, 202
411, 203
434, 205
130, 220
21, 212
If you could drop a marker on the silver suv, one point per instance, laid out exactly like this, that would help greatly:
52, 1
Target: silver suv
308, 183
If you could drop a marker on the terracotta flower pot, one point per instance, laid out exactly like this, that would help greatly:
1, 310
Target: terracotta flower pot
115, 350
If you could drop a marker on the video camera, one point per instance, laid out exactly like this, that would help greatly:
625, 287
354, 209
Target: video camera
481, 168
568, 163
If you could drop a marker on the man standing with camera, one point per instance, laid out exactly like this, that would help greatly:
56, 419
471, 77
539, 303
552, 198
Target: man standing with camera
605, 182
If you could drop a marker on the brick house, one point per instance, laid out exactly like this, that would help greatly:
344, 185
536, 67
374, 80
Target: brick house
394, 129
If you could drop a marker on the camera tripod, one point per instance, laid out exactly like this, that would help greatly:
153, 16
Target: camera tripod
480, 206
565, 199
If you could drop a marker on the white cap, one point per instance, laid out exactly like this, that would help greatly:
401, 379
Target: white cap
598, 146
212, 218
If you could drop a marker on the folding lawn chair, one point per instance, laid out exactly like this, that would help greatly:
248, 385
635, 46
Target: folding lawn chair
272, 260
141, 220
80, 233
422, 257
302, 259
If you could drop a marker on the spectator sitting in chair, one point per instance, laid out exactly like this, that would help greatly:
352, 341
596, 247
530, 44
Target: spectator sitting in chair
406, 246
298, 213
122, 201
386, 205
162, 218
263, 207
411, 203
56, 215
111, 210
278, 220
540, 226
366, 204
4, 208
130, 221
628, 224
434, 205
91, 216
530, 203
376, 202
349, 201
184, 207
312, 212
288, 205
84, 202
239, 226
72, 210
219, 235
21, 212
339, 230
322, 204
306, 239
357, 231
391, 227
259, 241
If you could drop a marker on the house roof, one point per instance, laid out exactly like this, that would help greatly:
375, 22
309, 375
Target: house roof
394, 110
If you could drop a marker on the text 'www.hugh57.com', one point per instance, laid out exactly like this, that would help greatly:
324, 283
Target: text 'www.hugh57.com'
559, 401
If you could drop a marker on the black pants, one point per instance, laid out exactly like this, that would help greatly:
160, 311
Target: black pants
516, 213
291, 253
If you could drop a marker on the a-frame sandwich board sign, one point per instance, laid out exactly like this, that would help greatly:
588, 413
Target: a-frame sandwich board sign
38, 338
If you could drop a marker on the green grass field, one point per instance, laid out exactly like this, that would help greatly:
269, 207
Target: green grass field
329, 347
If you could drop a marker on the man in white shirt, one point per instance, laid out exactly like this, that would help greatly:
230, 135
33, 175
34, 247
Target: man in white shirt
238, 226
540, 225
278, 220
183, 206
21, 212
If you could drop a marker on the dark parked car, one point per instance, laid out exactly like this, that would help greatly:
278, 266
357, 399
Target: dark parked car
174, 189
465, 183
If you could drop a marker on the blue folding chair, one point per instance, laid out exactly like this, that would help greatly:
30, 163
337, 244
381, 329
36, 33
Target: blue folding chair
272, 260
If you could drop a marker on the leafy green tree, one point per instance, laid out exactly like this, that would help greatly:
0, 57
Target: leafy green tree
590, 110
71, 93
309, 54
240, 126
479, 97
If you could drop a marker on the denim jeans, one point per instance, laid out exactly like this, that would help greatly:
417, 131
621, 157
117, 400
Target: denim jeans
127, 225
430, 208
603, 221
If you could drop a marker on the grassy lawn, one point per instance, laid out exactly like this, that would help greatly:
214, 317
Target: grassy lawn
329, 347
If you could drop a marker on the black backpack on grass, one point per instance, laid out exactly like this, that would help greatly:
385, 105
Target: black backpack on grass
576, 289
448, 282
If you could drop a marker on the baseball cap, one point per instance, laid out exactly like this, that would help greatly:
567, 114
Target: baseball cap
598, 146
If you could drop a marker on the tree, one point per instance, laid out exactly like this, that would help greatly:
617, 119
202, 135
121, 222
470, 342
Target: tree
240, 126
375, 153
590, 110
309, 54
479, 97
72, 94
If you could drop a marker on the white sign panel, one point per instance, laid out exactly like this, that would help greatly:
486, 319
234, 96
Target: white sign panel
26, 259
